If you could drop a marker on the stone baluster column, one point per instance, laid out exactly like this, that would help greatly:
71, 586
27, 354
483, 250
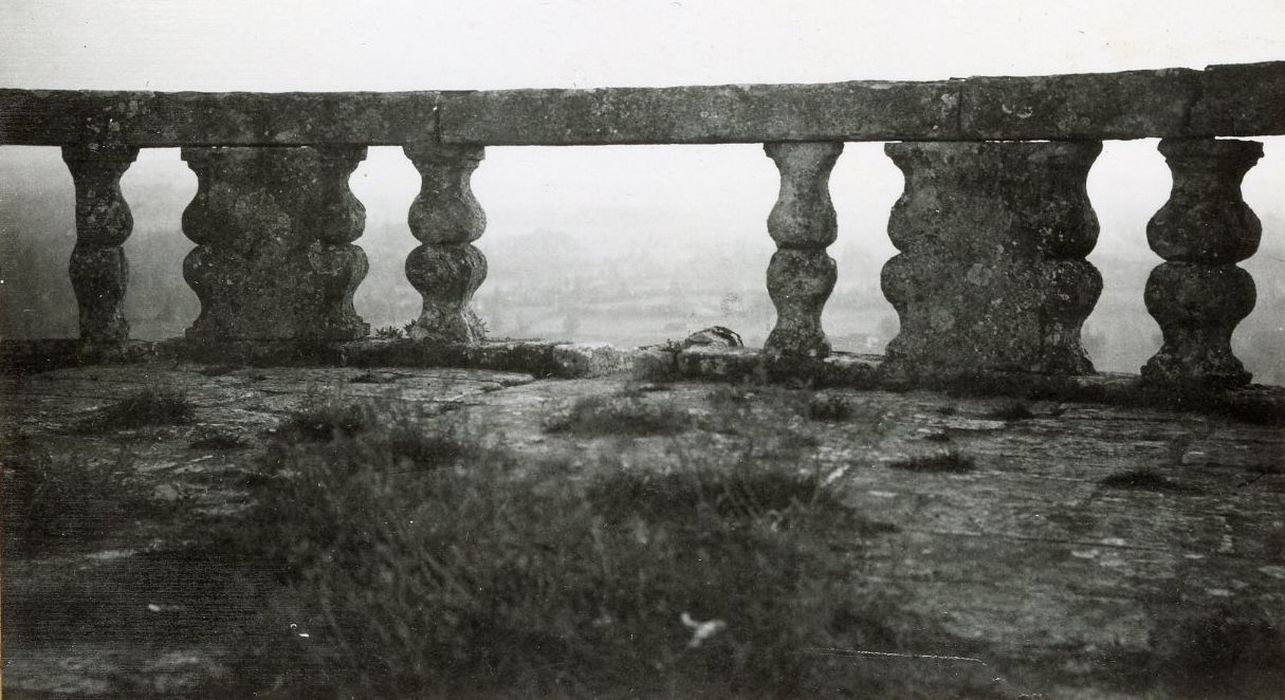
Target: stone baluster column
274, 259
801, 275
1198, 294
991, 274
98, 268
446, 268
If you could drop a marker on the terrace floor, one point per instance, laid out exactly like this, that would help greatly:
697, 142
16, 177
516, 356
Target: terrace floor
1088, 541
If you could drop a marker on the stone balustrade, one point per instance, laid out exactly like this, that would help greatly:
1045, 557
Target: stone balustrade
992, 230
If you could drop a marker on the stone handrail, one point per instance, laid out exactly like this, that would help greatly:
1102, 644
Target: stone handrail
992, 228
1232, 100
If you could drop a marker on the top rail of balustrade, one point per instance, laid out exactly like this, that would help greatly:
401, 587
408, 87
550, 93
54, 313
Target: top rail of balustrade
1228, 100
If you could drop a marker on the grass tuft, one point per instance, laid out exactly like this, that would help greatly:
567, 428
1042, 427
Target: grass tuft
829, 407
54, 502
619, 415
370, 378
217, 441
483, 576
323, 420
1144, 479
218, 370
148, 407
1012, 411
951, 462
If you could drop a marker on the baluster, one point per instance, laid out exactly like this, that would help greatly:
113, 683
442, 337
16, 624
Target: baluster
274, 259
446, 218
1198, 294
991, 274
801, 275
99, 270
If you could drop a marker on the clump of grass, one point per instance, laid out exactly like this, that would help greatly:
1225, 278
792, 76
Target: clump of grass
1143, 479
619, 415
218, 370
148, 407
322, 420
829, 407
951, 462
1015, 410
483, 576
729, 396
391, 332
55, 502
635, 388
217, 441
369, 377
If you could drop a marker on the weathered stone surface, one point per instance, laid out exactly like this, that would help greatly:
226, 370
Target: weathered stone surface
1199, 294
166, 119
1239, 100
539, 358
991, 274
1221, 100
446, 269
801, 275
1087, 106
99, 270
852, 111
274, 260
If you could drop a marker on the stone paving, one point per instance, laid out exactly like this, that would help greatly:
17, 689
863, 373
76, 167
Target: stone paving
1061, 577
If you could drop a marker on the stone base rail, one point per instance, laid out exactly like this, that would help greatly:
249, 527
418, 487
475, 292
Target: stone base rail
992, 230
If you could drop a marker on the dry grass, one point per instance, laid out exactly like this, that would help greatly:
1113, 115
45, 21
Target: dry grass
951, 462
420, 564
147, 407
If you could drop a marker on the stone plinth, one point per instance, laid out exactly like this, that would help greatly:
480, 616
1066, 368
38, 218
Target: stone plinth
274, 259
1199, 294
991, 274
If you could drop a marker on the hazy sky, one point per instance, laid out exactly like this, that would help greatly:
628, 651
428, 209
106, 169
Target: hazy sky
413, 44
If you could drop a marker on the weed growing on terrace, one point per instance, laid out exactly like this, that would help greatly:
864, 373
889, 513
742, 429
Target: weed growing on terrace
323, 419
619, 415
1144, 479
951, 462
53, 502
829, 407
473, 573
1015, 410
147, 407
217, 441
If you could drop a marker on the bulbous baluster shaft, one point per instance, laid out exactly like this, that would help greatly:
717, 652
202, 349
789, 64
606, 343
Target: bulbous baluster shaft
991, 274
274, 259
446, 218
98, 268
801, 275
1198, 294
